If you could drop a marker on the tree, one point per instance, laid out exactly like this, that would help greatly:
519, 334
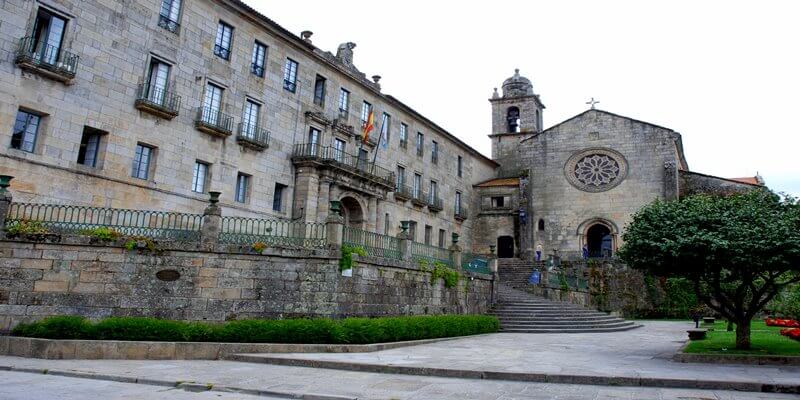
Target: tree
739, 250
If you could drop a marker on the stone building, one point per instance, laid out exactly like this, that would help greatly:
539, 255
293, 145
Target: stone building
151, 104
576, 184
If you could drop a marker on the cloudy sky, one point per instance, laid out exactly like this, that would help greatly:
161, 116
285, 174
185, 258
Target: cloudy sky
725, 74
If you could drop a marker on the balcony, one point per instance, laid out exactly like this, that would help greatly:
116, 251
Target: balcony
403, 193
289, 85
460, 214
420, 152
213, 122
168, 24
404, 144
252, 137
419, 199
257, 69
159, 102
46, 60
435, 158
222, 52
435, 204
326, 156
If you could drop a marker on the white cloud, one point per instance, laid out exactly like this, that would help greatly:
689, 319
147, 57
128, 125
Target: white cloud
725, 74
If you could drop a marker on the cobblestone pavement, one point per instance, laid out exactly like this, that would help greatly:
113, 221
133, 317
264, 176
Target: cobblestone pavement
299, 381
644, 352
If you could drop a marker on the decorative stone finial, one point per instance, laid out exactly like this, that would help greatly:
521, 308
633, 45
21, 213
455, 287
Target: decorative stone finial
5, 182
516, 71
306, 36
495, 95
345, 53
376, 78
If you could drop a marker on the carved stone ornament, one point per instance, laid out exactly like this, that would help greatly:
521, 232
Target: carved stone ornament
596, 170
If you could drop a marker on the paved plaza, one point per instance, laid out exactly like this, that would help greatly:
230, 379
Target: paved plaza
641, 352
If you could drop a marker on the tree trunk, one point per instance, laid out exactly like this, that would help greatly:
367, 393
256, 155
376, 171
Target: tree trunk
743, 335
730, 326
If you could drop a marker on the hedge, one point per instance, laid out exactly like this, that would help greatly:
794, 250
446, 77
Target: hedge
309, 331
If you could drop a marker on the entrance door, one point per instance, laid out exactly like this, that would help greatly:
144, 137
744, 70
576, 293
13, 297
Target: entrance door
599, 241
505, 247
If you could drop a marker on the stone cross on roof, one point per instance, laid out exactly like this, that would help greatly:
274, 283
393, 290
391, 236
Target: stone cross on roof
592, 102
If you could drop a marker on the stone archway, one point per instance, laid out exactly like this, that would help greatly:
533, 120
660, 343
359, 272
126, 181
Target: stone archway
352, 212
598, 237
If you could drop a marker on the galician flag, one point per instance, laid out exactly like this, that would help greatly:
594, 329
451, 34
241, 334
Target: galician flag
369, 125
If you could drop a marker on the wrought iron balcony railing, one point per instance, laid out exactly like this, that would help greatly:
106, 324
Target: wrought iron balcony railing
460, 213
257, 70
214, 122
168, 24
404, 144
419, 198
435, 204
222, 52
252, 136
403, 192
348, 162
289, 85
47, 60
157, 101
435, 158
420, 152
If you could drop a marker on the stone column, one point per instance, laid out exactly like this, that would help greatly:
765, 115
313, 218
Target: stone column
405, 242
306, 194
5, 200
324, 198
334, 226
372, 214
455, 252
671, 188
212, 222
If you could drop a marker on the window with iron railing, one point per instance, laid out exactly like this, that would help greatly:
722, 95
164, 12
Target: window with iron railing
259, 59
319, 91
222, 45
170, 12
290, 75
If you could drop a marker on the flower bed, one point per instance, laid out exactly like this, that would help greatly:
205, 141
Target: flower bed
791, 333
787, 323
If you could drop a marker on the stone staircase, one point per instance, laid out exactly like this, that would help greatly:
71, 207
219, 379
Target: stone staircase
521, 311
515, 272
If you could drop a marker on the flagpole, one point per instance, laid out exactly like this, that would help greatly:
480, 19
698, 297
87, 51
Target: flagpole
378, 144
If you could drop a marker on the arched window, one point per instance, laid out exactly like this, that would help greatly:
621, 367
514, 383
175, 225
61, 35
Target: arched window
541, 224
512, 116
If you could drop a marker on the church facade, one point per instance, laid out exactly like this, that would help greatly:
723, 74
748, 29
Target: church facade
152, 104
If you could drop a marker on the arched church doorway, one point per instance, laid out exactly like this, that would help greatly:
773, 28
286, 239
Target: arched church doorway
599, 241
352, 213
505, 247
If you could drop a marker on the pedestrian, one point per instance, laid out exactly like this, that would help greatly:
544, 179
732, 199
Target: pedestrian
585, 252
538, 252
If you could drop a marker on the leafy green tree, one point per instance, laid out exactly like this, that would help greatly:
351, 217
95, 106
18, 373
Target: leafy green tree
739, 250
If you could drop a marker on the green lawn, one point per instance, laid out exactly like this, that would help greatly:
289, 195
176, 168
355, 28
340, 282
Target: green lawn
765, 340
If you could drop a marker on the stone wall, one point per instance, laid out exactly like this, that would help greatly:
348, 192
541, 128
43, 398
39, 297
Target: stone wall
96, 280
693, 183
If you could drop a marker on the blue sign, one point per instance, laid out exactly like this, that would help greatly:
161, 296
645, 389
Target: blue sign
536, 276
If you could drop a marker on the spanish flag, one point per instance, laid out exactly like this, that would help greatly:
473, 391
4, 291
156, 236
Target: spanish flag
369, 125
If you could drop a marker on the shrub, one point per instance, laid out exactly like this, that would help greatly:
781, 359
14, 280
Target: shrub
27, 228
346, 262
102, 233
311, 331
787, 303
449, 275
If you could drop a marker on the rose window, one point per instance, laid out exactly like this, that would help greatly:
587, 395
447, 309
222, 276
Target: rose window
597, 170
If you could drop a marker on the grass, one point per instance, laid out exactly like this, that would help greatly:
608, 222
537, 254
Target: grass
764, 340
307, 331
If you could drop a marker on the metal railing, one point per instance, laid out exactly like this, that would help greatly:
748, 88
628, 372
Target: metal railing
375, 244
420, 151
289, 85
421, 252
43, 55
419, 197
402, 191
272, 232
57, 218
254, 134
404, 144
435, 203
214, 119
257, 70
434, 158
570, 280
344, 160
168, 24
163, 99
461, 213
475, 263
222, 52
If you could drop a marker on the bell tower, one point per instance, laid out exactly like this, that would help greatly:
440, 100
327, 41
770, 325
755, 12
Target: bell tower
516, 115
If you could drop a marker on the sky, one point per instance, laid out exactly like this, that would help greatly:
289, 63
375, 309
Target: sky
724, 74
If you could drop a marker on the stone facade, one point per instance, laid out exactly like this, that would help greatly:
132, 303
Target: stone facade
117, 44
39, 280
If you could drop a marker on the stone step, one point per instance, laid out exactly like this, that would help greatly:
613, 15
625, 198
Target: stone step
569, 330
501, 311
566, 325
559, 319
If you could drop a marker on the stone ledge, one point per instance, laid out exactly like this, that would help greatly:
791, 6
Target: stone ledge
735, 359
137, 350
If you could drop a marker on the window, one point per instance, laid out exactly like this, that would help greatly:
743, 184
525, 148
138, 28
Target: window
420, 144
434, 152
212, 103
460, 166
362, 159
433, 194
512, 116
417, 186
242, 186
401, 177
428, 234
252, 111
259, 59
386, 224
157, 82
290, 75
403, 135
366, 108
412, 230
26, 130
200, 176
458, 203
277, 197
170, 11
90, 146
498, 202
386, 124
142, 160
541, 224
339, 150
313, 141
319, 91
344, 103
442, 236
48, 35
222, 46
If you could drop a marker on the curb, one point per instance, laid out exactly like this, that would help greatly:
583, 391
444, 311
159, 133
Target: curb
525, 377
187, 386
744, 359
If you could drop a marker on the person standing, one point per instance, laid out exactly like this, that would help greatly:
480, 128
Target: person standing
539, 252
585, 252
